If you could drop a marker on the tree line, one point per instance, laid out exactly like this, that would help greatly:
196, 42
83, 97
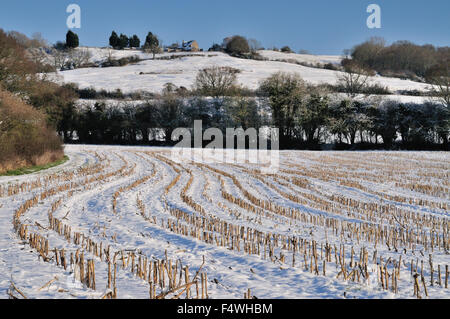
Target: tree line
402, 59
308, 116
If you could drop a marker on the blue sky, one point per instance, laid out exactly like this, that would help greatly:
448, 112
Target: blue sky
319, 26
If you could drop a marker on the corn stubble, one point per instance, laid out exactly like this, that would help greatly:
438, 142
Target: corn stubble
357, 231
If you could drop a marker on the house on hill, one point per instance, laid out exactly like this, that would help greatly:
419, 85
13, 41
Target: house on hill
189, 46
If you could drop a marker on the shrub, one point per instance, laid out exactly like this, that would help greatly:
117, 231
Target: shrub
25, 139
120, 62
238, 45
286, 49
330, 66
285, 93
16, 69
256, 56
215, 48
377, 89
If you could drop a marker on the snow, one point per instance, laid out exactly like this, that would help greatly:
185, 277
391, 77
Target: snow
301, 58
151, 75
230, 272
392, 97
102, 54
111, 103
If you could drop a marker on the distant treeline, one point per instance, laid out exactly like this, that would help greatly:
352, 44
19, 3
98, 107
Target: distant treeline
317, 124
402, 59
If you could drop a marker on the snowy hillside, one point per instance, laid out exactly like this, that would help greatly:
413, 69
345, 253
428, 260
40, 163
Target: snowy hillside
302, 58
151, 75
102, 54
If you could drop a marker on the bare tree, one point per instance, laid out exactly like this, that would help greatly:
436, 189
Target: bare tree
439, 76
79, 58
38, 55
353, 80
70, 58
108, 56
21, 38
38, 41
216, 81
254, 44
444, 91
153, 49
153, 45
60, 58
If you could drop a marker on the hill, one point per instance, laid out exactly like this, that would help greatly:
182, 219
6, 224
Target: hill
177, 68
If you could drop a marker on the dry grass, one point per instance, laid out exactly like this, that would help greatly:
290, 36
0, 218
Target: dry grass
25, 139
17, 166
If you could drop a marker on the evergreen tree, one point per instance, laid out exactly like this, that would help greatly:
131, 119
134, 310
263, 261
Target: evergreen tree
72, 40
123, 41
114, 40
152, 44
151, 40
135, 42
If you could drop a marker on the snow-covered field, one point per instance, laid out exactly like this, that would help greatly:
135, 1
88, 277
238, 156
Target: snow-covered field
151, 75
326, 225
302, 58
102, 54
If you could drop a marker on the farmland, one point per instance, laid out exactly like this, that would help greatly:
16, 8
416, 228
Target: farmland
130, 222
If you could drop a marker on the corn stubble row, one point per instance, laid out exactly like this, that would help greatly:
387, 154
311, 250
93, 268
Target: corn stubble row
165, 277
357, 231
382, 225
